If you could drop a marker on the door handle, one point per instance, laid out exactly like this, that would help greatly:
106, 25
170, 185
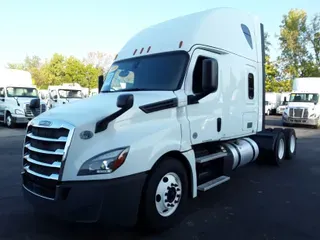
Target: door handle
219, 122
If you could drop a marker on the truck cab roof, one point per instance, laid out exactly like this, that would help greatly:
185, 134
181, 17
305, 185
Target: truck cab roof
227, 29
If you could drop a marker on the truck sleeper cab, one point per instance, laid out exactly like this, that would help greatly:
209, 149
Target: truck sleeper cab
172, 117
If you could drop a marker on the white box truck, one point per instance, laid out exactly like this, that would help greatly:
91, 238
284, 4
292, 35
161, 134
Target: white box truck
63, 94
273, 100
16, 93
175, 115
303, 107
284, 102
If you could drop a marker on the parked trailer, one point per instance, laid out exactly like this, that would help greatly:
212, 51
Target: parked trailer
169, 121
274, 101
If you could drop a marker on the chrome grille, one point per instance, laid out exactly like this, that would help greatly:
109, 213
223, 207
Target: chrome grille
38, 111
45, 150
298, 112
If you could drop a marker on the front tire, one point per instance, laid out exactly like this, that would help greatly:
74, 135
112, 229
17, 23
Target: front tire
268, 112
165, 194
9, 121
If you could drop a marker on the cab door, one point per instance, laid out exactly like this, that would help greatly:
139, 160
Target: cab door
205, 114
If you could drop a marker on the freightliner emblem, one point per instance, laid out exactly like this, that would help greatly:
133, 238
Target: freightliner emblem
45, 123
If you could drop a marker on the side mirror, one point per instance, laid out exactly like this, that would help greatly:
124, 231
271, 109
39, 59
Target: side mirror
55, 98
42, 95
125, 101
210, 75
100, 82
2, 99
35, 103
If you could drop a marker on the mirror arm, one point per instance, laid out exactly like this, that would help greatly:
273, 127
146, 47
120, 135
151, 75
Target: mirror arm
194, 99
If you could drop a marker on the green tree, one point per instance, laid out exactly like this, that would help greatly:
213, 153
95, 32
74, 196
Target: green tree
313, 36
54, 71
295, 38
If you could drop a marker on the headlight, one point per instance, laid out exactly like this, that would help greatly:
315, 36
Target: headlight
19, 111
313, 115
104, 163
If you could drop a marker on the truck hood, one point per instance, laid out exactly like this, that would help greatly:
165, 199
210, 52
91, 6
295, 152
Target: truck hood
95, 108
23, 100
301, 104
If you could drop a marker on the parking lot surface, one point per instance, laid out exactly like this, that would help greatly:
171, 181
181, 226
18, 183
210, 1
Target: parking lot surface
260, 202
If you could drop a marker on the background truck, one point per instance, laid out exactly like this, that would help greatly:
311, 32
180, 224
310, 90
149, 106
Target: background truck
16, 92
303, 107
274, 101
284, 102
169, 121
65, 93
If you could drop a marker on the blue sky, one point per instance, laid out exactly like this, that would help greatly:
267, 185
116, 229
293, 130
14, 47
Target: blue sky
70, 27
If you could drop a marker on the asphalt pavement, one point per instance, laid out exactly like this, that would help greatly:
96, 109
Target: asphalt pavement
259, 202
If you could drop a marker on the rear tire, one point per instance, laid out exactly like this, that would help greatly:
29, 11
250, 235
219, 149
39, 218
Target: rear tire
279, 150
291, 142
164, 196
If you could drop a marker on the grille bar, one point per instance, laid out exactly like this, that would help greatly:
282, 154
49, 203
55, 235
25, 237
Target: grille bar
57, 152
52, 176
60, 139
54, 164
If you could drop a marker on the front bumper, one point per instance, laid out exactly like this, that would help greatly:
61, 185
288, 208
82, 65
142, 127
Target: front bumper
280, 111
301, 121
20, 119
115, 201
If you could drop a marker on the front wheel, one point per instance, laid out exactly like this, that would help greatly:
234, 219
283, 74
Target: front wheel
165, 194
268, 112
9, 121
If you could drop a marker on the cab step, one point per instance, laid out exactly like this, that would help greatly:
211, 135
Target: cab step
211, 157
213, 183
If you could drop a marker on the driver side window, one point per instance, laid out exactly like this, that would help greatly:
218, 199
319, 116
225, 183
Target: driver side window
1, 92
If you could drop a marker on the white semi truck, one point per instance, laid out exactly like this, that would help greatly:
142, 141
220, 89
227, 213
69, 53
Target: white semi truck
303, 107
175, 115
16, 92
63, 94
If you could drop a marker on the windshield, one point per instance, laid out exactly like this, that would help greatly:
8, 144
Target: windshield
22, 92
304, 97
156, 72
67, 93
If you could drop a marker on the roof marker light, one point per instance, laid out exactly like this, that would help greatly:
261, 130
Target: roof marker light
148, 49
135, 51
180, 44
141, 50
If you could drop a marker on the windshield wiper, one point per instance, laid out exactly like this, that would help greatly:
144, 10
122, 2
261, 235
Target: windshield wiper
15, 98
